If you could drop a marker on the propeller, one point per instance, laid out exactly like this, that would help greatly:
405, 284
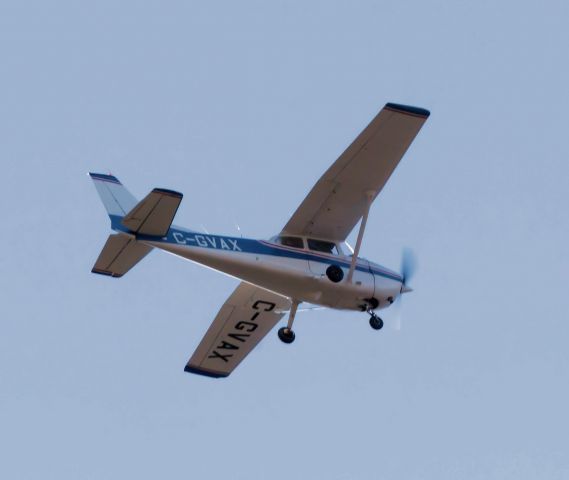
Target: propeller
408, 268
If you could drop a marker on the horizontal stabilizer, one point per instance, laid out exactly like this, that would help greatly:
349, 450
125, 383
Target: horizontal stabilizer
119, 255
154, 214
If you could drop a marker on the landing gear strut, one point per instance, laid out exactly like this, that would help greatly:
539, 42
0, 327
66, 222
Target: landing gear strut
286, 334
375, 322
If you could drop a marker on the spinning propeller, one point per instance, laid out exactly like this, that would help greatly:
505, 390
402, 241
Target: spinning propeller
408, 268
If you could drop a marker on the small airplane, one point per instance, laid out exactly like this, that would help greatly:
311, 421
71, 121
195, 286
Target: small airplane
308, 261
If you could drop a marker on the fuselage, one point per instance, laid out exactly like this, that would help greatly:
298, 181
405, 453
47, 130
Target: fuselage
297, 273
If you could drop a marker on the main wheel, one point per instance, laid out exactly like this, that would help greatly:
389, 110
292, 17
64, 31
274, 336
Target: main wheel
334, 273
286, 335
375, 322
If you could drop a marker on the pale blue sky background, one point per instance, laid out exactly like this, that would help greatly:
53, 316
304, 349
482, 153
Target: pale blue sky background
242, 106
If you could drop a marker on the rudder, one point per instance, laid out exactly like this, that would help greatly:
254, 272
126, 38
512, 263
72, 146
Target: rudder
115, 197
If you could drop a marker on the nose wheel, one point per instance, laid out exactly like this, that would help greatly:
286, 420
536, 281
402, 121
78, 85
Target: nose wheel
375, 322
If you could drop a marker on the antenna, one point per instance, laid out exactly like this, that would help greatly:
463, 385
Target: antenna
238, 228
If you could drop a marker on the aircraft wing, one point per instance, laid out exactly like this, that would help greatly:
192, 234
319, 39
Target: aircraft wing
338, 200
244, 319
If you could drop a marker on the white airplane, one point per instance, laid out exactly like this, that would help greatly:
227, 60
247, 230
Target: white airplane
308, 261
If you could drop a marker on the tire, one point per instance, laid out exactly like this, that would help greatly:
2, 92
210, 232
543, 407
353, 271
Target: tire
335, 273
376, 323
286, 335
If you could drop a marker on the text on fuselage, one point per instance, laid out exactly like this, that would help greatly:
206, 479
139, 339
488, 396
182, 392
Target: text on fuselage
206, 241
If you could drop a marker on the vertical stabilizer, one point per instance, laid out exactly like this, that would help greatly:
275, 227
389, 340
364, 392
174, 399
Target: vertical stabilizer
117, 199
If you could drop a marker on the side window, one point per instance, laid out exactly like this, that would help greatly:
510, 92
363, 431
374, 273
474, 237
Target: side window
293, 242
322, 246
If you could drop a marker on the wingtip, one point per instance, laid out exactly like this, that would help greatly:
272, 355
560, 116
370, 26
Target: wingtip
408, 109
204, 372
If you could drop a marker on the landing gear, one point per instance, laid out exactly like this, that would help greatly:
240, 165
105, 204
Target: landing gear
335, 273
286, 334
375, 322
372, 302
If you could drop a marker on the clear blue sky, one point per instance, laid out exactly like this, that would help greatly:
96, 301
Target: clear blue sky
242, 106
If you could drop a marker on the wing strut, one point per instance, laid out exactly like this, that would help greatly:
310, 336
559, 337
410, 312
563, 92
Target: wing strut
369, 200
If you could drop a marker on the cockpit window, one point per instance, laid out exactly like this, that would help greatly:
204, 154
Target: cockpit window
293, 242
322, 246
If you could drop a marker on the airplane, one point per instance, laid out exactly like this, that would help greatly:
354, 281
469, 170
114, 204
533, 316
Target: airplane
309, 261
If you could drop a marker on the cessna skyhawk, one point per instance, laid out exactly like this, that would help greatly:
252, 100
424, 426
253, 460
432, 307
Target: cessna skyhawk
308, 261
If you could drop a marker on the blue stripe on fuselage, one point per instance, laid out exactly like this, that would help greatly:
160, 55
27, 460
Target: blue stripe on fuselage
178, 236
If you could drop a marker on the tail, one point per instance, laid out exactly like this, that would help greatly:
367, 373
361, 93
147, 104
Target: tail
151, 217
115, 197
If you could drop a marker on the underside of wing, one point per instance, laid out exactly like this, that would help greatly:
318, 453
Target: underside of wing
339, 199
242, 322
